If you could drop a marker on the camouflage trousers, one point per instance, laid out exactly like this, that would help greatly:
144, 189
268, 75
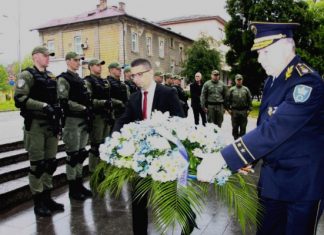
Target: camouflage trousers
215, 114
75, 138
100, 130
239, 122
41, 145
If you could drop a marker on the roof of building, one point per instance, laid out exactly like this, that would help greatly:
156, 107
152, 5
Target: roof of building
97, 14
191, 18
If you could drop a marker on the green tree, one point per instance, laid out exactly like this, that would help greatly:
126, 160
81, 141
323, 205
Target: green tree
27, 62
240, 39
4, 86
201, 58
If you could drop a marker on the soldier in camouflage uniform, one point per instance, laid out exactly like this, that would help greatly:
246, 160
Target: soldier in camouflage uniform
119, 90
36, 97
181, 94
75, 98
212, 98
102, 109
158, 77
168, 80
239, 104
128, 80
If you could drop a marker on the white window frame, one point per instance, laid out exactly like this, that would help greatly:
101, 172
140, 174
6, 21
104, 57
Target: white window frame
161, 47
149, 43
134, 42
77, 45
51, 45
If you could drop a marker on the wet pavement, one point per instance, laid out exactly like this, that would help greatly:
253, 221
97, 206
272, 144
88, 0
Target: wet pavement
106, 215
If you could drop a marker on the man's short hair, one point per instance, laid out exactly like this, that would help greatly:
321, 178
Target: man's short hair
141, 61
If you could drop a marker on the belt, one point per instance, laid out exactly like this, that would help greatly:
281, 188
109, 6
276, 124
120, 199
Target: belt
214, 103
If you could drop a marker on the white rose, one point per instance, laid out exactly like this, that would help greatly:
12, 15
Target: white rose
128, 149
158, 143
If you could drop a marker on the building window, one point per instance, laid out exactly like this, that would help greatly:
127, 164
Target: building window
172, 65
50, 46
77, 45
161, 47
134, 42
149, 45
181, 54
171, 43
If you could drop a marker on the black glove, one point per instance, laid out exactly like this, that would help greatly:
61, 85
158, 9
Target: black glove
49, 110
108, 104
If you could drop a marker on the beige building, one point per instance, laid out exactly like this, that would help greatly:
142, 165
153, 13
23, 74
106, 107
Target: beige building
197, 26
109, 33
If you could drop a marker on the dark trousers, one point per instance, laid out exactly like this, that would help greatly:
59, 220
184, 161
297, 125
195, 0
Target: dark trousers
196, 111
140, 216
239, 122
289, 218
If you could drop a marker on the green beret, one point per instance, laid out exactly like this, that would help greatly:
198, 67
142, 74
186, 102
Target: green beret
96, 62
238, 77
73, 55
177, 77
160, 74
127, 69
168, 75
215, 72
43, 50
114, 65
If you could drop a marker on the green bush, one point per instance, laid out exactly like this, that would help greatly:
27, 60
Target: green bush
8, 105
255, 109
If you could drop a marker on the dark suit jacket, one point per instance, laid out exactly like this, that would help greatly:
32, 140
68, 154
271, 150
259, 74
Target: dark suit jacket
195, 92
165, 99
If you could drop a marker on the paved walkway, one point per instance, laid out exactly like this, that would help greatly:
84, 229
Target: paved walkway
104, 216
11, 124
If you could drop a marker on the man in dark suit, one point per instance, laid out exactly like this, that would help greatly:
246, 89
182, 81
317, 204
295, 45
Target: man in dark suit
141, 104
195, 92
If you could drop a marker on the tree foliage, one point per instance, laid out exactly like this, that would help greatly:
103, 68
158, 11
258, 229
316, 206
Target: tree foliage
201, 58
4, 86
308, 37
27, 62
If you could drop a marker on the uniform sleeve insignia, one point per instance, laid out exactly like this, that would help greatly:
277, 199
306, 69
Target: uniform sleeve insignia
61, 88
303, 69
20, 83
270, 110
289, 72
302, 93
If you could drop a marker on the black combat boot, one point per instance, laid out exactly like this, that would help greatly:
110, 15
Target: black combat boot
50, 203
83, 189
74, 191
40, 208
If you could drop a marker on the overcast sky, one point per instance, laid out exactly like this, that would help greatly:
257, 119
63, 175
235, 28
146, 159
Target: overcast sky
33, 13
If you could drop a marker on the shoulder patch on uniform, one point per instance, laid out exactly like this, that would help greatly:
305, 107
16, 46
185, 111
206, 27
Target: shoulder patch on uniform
303, 69
302, 93
61, 88
20, 83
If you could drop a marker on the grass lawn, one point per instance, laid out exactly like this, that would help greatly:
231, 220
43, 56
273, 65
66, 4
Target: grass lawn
8, 105
255, 109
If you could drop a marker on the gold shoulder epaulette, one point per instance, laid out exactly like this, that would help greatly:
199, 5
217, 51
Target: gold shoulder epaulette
303, 69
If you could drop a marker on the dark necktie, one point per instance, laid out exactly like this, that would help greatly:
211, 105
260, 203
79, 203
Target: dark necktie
144, 110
